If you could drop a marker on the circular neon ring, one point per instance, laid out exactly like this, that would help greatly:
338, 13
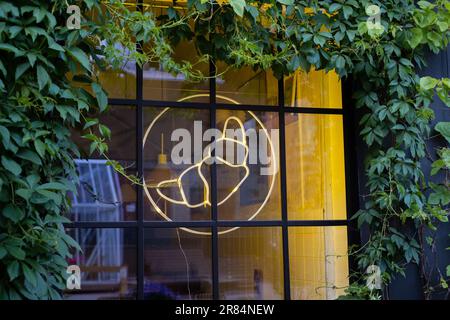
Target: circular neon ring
272, 149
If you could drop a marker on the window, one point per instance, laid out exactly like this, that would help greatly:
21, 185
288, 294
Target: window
266, 220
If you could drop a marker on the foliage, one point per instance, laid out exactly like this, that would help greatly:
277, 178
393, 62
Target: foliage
40, 58
440, 192
40, 104
37, 109
355, 291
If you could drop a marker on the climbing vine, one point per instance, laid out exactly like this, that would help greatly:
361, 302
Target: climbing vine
380, 43
439, 194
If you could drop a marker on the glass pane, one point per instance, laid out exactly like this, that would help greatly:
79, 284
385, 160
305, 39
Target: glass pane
246, 86
315, 170
107, 263
318, 262
120, 84
250, 263
315, 89
176, 173
247, 165
177, 264
103, 194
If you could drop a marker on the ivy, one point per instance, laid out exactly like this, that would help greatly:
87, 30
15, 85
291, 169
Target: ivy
439, 196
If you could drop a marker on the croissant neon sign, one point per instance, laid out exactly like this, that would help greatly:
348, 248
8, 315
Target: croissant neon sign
239, 141
198, 168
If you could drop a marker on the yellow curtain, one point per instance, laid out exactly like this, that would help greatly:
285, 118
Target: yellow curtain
316, 187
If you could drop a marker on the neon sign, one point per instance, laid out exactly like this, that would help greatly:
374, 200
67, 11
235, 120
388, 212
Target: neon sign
196, 168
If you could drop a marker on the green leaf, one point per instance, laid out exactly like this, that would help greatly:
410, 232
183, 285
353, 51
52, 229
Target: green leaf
2, 68
435, 38
11, 48
238, 6
39, 14
340, 62
51, 196
43, 77
29, 274
446, 82
24, 193
92, 147
6, 138
448, 271
347, 11
53, 45
443, 26
13, 213
428, 83
286, 2
30, 156
3, 252
436, 166
362, 28
16, 252
105, 131
100, 95
11, 166
444, 129
334, 7
14, 31
13, 270
319, 40
294, 64
89, 123
55, 219
20, 70
40, 147
52, 186
80, 56
70, 242
425, 4
416, 37
254, 12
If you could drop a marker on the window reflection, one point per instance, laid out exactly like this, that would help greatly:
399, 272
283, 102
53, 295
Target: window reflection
315, 167
103, 194
250, 264
177, 265
318, 262
107, 263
